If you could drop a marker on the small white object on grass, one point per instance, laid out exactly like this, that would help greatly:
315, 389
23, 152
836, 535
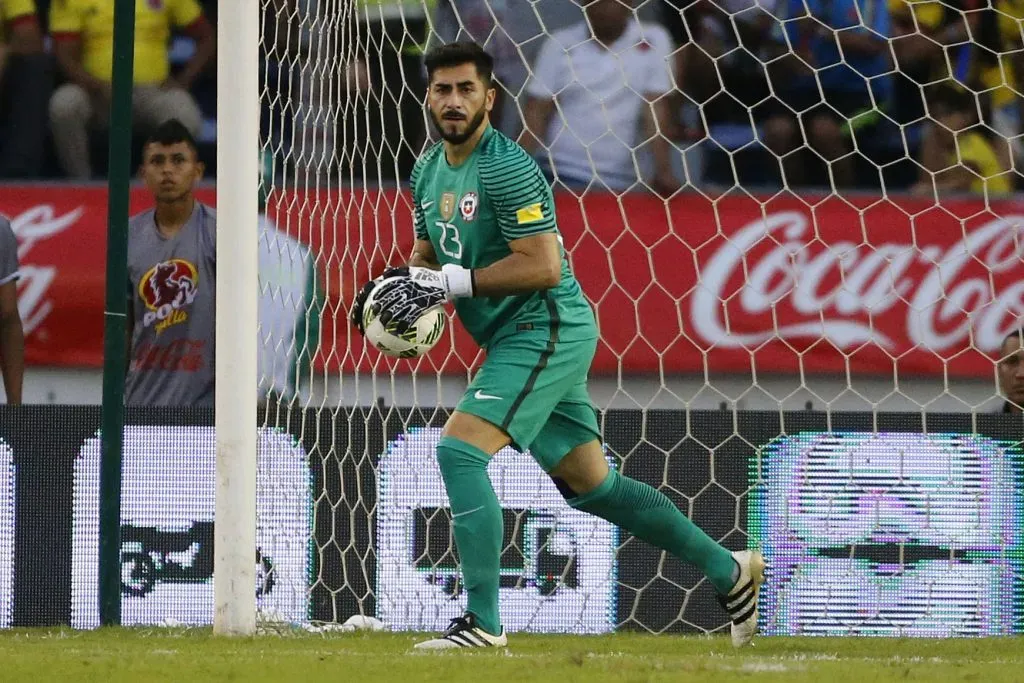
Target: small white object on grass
359, 622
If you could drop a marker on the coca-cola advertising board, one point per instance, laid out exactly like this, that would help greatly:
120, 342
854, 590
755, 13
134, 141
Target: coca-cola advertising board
62, 249
780, 283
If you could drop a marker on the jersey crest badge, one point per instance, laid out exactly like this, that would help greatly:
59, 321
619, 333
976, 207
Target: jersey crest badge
468, 205
447, 206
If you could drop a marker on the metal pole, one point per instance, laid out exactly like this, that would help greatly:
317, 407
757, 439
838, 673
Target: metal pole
114, 333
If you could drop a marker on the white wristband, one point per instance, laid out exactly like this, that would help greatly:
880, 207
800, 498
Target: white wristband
459, 281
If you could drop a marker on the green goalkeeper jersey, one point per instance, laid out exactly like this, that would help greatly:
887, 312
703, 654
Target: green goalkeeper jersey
470, 213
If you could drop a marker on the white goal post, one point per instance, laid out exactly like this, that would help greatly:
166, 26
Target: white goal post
811, 372
236, 328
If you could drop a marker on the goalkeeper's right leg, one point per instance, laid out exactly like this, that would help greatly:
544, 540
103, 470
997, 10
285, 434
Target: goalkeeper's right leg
741, 601
648, 514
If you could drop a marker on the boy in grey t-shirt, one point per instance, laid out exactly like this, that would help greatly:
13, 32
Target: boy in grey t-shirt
172, 266
12, 335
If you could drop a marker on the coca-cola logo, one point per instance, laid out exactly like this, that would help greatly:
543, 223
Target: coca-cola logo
773, 280
31, 227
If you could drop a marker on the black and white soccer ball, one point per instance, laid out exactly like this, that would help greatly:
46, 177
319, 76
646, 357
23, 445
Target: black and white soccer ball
412, 343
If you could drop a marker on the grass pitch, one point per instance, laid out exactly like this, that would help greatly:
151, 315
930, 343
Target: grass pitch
141, 655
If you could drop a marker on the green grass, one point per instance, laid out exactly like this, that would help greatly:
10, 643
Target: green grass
180, 656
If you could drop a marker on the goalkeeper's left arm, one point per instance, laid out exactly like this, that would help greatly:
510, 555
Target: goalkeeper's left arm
535, 264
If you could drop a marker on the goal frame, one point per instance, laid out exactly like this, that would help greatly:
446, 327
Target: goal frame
238, 101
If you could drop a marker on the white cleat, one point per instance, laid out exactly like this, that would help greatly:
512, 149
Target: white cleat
741, 602
463, 632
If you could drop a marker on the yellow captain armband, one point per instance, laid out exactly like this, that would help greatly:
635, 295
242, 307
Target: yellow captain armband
529, 214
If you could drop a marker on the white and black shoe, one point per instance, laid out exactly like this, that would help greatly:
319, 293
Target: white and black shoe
463, 632
741, 602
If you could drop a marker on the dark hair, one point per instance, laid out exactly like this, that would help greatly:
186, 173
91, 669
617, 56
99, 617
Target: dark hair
1016, 334
171, 132
456, 54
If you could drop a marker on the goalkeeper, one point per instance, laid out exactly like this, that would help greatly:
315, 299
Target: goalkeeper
487, 239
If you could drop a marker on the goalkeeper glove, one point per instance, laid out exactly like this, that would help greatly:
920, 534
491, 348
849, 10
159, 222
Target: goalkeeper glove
455, 281
356, 315
400, 304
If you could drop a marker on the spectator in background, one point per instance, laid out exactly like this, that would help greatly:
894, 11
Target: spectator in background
1010, 372
279, 51
709, 69
720, 68
1006, 75
593, 86
841, 45
920, 32
83, 42
26, 81
172, 265
315, 108
961, 42
484, 23
955, 154
390, 38
12, 336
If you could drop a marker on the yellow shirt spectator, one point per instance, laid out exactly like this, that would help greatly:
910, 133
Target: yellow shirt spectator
14, 11
92, 21
928, 14
974, 151
1010, 13
998, 79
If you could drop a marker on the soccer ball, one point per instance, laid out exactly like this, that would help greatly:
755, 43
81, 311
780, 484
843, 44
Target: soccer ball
415, 342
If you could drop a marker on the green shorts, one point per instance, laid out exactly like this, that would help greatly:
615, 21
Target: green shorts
536, 392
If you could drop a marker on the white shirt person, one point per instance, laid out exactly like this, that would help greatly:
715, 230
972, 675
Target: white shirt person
592, 97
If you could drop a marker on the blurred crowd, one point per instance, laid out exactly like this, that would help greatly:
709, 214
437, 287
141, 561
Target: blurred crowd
652, 96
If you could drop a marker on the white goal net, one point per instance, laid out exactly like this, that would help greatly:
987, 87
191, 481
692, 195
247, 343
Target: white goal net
797, 224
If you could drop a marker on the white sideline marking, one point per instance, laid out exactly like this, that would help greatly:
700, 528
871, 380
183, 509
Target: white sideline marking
761, 667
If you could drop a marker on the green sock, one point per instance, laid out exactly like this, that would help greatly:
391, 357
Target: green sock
647, 513
476, 518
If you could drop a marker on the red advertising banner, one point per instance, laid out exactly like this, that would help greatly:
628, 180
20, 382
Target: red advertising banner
62, 247
775, 284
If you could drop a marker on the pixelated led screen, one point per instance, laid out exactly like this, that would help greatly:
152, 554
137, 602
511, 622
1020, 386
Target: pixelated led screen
889, 534
6, 534
557, 566
870, 525
167, 529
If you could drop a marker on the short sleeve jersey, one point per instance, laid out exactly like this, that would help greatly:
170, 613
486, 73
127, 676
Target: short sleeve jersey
172, 292
92, 21
976, 152
471, 212
601, 95
14, 12
8, 252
